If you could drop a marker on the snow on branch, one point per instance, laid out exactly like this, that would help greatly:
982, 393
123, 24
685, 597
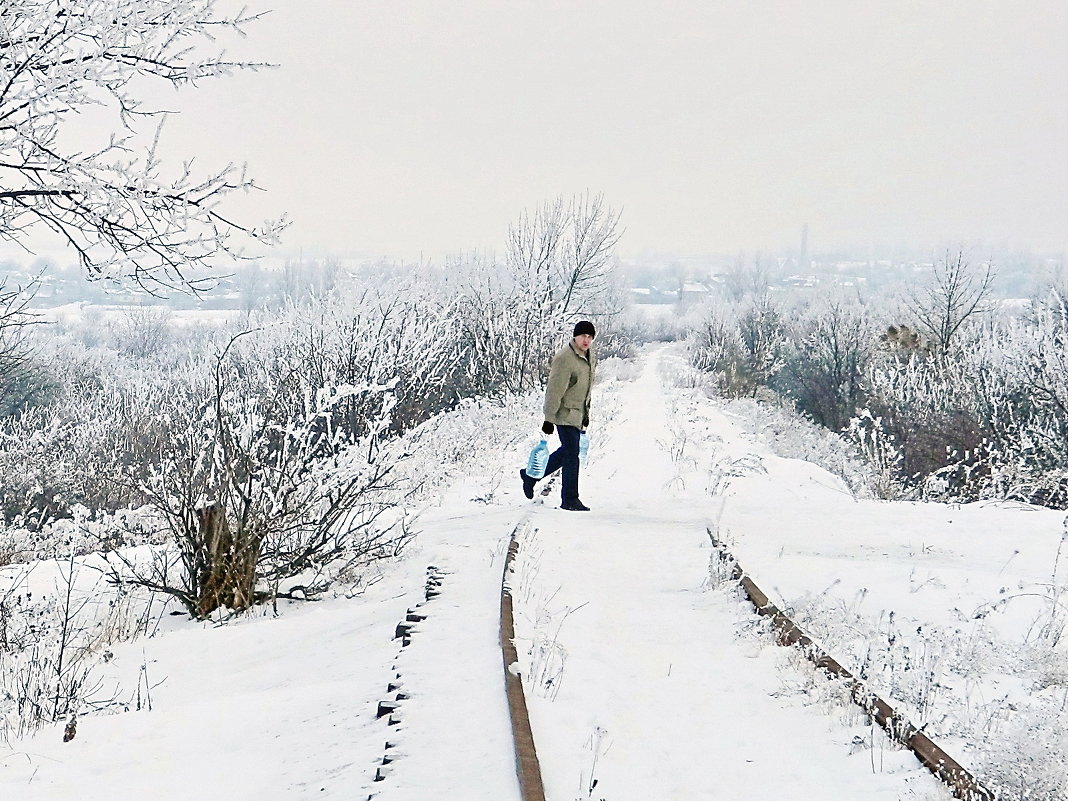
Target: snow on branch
118, 210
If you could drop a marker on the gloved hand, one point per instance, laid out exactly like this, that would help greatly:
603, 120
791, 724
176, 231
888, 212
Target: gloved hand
585, 421
547, 427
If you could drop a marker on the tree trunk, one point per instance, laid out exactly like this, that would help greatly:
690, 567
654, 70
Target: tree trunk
228, 577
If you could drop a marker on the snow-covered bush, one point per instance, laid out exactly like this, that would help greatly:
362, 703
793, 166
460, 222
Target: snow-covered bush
655, 323
741, 348
880, 448
29, 384
101, 426
398, 334
829, 347
612, 368
990, 419
253, 494
84, 532
790, 435
97, 436
987, 419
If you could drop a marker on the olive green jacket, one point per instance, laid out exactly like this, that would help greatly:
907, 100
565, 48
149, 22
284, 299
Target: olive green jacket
567, 396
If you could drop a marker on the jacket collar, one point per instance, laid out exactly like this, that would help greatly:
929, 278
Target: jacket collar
585, 355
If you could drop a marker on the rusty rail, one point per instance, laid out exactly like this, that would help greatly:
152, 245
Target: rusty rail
527, 767
960, 781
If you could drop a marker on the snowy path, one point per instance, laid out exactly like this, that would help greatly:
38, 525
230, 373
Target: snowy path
652, 692
454, 736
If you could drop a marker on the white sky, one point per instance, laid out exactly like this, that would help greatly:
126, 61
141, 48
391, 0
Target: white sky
408, 127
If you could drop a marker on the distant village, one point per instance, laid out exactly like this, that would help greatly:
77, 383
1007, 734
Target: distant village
663, 280
651, 279
682, 282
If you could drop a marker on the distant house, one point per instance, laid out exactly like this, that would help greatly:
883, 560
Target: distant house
693, 292
652, 294
800, 281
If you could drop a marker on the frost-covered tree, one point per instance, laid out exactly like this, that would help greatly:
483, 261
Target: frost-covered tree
742, 281
113, 201
956, 293
558, 266
829, 350
742, 347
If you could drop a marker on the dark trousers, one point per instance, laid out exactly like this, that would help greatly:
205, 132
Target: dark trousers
566, 458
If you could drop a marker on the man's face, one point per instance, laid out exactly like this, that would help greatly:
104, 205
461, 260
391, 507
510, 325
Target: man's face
583, 342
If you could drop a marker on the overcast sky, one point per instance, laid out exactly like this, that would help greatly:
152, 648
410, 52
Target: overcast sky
401, 127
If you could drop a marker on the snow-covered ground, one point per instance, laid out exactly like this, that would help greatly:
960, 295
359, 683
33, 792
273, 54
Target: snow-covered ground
644, 670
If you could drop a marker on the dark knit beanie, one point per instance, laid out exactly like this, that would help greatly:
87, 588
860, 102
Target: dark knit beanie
584, 327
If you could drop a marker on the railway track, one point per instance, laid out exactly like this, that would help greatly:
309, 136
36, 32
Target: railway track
956, 778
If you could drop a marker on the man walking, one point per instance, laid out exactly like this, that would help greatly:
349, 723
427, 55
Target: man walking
567, 408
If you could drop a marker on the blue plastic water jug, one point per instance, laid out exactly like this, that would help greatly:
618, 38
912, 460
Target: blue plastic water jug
584, 447
539, 458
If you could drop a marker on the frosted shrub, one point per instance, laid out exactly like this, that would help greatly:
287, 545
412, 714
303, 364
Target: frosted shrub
988, 420
741, 349
252, 493
33, 484
399, 334
74, 450
84, 532
985, 419
677, 369
27, 385
715, 345
933, 410
613, 368
1041, 409
654, 323
100, 434
882, 452
440, 449
1034, 769
614, 343
829, 348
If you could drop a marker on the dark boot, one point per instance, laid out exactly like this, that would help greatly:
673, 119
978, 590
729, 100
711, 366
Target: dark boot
528, 483
574, 506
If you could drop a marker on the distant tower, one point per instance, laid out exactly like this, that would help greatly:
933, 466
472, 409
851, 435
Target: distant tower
803, 259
